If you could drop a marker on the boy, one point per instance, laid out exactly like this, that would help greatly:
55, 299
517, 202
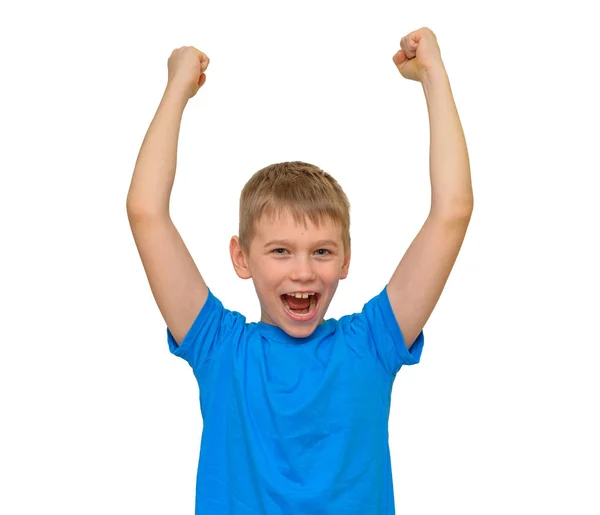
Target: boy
295, 407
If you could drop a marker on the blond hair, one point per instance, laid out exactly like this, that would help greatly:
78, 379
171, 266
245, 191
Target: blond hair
303, 188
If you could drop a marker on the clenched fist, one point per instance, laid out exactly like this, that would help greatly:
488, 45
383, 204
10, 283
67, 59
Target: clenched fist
186, 70
419, 52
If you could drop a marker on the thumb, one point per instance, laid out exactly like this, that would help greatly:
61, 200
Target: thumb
399, 57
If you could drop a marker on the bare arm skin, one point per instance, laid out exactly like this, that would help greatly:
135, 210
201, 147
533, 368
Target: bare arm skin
419, 279
176, 284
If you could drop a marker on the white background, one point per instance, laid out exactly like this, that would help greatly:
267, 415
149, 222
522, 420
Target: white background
500, 416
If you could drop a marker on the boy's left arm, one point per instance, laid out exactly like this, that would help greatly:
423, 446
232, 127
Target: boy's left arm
417, 283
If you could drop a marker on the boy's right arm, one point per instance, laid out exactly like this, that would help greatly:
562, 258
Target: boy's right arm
178, 288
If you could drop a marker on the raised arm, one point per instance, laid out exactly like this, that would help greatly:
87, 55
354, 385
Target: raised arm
419, 279
178, 288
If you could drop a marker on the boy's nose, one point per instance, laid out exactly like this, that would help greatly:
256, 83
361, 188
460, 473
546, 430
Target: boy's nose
303, 272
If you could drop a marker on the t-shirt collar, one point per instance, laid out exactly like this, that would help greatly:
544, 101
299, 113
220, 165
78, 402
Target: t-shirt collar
273, 331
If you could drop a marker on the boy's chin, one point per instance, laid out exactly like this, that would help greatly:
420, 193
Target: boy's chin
303, 331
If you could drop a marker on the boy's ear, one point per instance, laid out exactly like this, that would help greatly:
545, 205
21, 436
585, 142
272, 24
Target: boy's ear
345, 266
238, 258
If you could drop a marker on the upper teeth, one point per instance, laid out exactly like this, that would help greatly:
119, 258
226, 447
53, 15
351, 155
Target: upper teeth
300, 295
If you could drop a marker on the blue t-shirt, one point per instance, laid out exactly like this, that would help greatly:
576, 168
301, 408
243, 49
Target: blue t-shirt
295, 426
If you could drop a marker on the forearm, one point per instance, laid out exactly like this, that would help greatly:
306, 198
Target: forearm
450, 173
154, 171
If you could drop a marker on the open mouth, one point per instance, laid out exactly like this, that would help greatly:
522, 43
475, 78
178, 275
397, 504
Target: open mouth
301, 306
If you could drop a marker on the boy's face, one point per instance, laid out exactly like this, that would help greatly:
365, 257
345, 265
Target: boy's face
288, 258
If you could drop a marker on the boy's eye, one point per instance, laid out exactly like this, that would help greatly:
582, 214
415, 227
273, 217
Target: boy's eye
320, 252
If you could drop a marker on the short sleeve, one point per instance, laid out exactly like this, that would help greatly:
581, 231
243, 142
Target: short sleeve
378, 324
213, 327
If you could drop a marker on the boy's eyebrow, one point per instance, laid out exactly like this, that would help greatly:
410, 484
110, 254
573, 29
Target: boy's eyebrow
288, 243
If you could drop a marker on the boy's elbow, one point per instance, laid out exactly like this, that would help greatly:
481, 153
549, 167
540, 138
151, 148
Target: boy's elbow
141, 209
